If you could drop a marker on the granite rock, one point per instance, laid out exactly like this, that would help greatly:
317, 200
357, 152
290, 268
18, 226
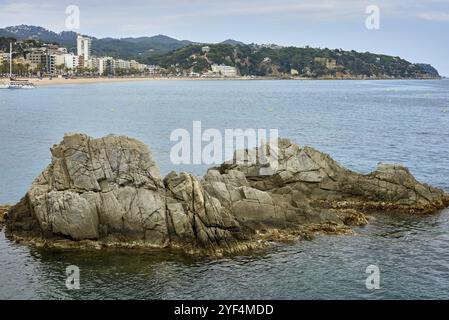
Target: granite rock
109, 191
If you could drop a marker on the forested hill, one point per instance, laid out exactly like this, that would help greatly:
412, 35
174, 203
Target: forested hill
287, 61
125, 48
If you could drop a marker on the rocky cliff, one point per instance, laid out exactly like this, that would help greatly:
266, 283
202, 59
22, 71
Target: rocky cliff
109, 192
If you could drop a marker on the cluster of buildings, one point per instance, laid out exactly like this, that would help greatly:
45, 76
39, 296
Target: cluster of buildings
224, 71
217, 70
53, 59
106, 65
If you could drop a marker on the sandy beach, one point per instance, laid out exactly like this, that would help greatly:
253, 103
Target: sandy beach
63, 81
60, 81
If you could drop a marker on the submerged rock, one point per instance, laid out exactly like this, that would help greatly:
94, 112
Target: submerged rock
109, 192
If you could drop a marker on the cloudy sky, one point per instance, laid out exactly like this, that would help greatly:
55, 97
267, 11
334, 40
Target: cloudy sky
417, 30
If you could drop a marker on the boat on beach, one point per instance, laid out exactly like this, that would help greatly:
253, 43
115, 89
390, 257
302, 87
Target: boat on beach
18, 84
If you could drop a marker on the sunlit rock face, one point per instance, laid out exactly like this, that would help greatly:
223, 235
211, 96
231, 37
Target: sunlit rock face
109, 190
95, 188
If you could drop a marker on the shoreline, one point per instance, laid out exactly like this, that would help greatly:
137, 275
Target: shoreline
62, 81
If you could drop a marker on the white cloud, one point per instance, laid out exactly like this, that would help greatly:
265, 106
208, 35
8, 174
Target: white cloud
434, 16
118, 17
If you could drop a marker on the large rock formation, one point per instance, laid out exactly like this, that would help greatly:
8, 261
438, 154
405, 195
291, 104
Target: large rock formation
110, 191
313, 175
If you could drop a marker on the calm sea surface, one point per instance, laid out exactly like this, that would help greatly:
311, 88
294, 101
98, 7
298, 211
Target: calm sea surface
359, 123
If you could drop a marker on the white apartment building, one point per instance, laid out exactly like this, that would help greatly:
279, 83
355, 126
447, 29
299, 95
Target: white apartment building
59, 59
225, 71
153, 69
138, 66
100, 64
122, 64
83, 46
52, 61
71, 61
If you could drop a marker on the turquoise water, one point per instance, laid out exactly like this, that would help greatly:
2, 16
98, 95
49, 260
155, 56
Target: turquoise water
359, 123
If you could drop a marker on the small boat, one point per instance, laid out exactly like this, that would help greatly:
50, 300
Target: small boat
15, 83
20, 84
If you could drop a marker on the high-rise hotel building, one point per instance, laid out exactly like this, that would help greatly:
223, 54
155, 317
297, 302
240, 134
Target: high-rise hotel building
83, 45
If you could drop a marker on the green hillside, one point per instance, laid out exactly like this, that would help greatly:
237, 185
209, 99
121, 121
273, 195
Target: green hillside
308, 62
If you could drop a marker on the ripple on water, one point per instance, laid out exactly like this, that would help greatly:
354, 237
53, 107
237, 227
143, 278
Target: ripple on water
358, 123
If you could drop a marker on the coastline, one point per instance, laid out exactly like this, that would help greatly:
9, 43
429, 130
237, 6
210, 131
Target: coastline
62, 81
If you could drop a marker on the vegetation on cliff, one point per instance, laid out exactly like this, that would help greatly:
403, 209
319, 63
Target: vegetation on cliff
307, 62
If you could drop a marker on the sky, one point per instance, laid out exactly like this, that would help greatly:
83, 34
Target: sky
414, 30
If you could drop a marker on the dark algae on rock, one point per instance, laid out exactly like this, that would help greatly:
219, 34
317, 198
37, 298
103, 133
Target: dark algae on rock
3, 210
108, 192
